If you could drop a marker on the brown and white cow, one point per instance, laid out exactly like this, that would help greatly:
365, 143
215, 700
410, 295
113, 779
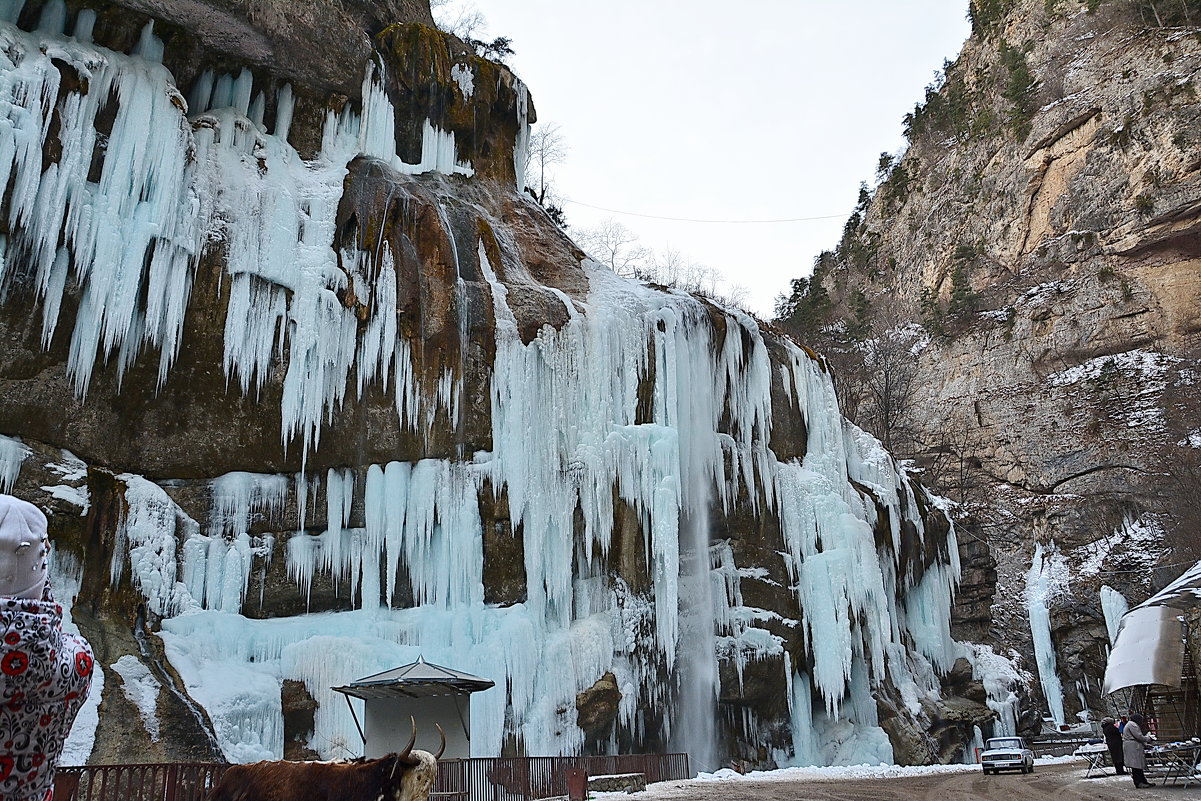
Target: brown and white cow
404, 776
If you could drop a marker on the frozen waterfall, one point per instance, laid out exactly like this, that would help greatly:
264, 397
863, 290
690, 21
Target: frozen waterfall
570, 442
1045, 579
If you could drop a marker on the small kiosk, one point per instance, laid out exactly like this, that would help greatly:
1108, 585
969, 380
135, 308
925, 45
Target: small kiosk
429, 694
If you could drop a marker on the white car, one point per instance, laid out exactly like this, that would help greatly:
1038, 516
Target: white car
1006, 753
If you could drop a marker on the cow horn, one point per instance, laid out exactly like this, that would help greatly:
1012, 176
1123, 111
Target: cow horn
404, 754
442, 746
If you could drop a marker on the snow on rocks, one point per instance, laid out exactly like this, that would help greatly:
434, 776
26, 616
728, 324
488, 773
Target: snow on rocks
142, 690
1149, 367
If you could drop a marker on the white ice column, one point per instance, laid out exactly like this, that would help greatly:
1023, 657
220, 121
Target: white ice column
1042, 583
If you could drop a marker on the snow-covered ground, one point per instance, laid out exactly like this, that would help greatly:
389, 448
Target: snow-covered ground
830, 774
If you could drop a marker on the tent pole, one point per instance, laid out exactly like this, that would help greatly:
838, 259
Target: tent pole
356, 723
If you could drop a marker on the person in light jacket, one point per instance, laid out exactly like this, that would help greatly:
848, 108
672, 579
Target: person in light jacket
1134, 744
45, 672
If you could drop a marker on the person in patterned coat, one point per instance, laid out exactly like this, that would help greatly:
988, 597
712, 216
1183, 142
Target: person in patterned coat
45, 672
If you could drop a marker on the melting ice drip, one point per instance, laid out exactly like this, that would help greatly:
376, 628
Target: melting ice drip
567, 440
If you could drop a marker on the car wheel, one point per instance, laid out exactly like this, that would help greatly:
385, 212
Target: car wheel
1031, 767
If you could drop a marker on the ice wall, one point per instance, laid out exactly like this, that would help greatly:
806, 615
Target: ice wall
570, 438
565, 435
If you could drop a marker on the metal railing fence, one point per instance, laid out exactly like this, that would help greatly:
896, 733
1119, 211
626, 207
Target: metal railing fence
475, 779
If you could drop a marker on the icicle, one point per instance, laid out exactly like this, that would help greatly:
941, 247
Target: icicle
149, 46
13, 453
521, 144
53, 20
223, 92
1113, 606
85, 21
257, 110
240, 92
10, 10
283, 112
202, 92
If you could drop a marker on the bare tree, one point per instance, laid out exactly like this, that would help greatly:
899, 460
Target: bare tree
547, 148
459, 19
462, 19
617, 246
672, 268
889, 375
613, 244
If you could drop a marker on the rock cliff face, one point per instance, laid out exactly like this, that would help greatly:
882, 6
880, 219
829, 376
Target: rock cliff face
311, 389
1016, 308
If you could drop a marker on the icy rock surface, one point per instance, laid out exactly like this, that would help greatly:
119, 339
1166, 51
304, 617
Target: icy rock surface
651, 399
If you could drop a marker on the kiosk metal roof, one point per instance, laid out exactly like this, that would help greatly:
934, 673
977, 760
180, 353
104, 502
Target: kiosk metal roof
416, 680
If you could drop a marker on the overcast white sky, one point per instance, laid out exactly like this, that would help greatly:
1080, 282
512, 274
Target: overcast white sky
764, 109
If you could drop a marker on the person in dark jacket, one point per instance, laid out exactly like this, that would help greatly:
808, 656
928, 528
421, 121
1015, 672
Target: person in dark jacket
1113, 739
45, 672
1134, 745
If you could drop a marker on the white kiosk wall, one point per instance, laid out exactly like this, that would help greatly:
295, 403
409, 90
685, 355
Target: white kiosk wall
387, 726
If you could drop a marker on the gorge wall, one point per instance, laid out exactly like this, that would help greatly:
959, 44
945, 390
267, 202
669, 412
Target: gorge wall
1015, 307
311, 389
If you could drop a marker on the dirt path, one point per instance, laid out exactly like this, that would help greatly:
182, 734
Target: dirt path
1048, 783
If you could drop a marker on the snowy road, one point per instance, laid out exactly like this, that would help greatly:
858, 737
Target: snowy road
1062, 782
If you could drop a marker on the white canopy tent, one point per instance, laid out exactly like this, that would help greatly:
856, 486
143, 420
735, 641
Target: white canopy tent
1149, 648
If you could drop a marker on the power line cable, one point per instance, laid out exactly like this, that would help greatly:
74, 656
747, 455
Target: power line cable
709, 222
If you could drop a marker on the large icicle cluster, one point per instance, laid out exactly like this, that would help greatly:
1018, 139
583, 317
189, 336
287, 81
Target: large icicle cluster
565, 434
567, 431
129, 226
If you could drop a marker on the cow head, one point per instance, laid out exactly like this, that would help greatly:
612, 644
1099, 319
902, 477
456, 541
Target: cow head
419, 768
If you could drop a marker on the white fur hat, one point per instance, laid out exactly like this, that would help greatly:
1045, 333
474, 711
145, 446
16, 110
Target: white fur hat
23, 546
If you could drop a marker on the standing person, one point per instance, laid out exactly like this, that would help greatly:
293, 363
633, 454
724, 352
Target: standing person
1134, 744
45, 673
1113, 740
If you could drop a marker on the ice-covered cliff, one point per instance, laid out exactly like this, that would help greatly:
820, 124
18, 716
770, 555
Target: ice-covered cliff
312, 389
